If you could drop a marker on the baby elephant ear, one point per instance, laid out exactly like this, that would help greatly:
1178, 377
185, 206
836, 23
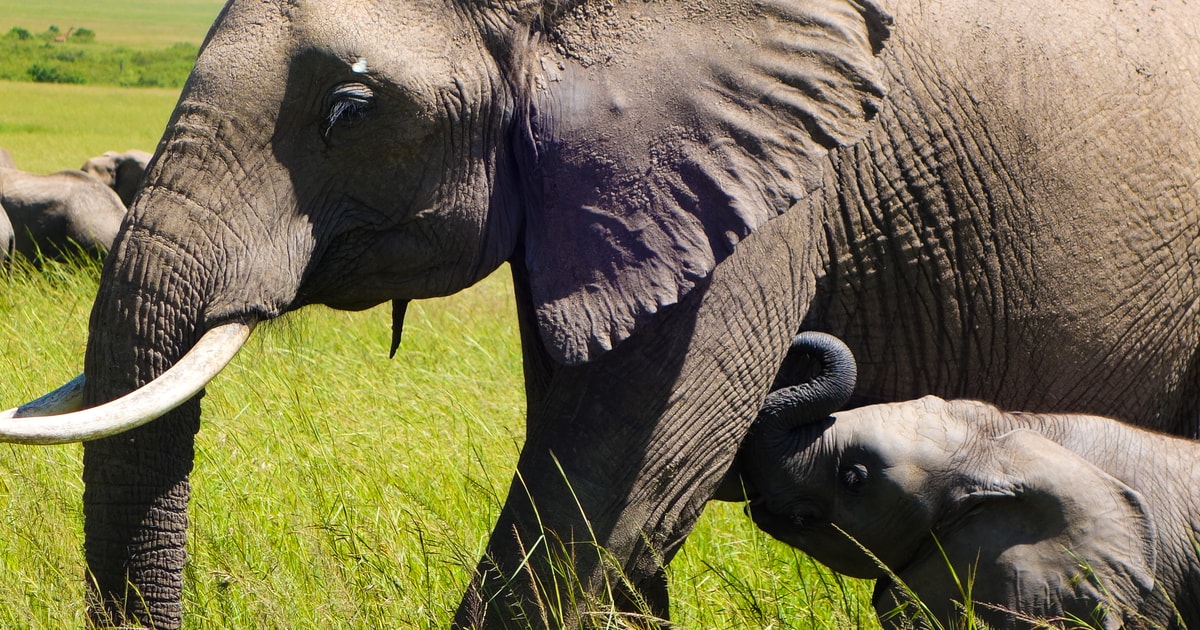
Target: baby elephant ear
662, 134
1050, 536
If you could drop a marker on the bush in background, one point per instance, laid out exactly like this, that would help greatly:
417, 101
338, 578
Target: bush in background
76, 57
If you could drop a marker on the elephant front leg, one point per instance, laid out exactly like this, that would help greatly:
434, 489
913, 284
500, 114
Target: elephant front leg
622, 454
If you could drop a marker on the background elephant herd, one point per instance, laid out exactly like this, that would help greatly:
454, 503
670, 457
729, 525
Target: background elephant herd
67, 213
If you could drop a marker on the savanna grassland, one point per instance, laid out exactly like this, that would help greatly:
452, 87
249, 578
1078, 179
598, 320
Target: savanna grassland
333, 488
140, 24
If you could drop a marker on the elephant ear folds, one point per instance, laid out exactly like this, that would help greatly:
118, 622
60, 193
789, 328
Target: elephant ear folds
1051, 531
660, 136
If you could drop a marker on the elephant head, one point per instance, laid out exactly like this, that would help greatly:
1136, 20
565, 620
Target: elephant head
948, 502
352, 153
120, 171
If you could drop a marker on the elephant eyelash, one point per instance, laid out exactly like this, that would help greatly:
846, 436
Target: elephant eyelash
349, 103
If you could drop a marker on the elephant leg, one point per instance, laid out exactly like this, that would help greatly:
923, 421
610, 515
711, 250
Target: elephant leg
622, 453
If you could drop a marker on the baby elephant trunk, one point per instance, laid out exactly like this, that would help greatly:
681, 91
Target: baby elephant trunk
797, 401
799, 398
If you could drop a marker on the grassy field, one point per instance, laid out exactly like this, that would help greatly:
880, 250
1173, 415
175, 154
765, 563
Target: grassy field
137, 23
47, 127
333, 487
336, 488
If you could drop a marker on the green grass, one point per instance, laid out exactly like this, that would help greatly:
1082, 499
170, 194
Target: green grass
142, 43
134, 23
334, 485
39, 58
47, 127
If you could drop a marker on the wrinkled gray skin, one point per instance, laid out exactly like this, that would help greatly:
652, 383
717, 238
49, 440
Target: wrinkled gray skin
677, 190
1020, 501
60, 214
120, 171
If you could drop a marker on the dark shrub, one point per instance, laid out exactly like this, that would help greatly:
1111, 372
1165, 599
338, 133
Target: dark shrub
47, 73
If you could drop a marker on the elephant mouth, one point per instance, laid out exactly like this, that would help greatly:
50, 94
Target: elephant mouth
785, 525
56, 418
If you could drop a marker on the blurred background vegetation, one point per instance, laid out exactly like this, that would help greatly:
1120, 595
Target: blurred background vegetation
74, 56
128, 43
66, 67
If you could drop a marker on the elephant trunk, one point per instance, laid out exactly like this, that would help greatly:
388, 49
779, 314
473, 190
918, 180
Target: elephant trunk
793, 406
146, 315
797, 401
167, 283
791, 420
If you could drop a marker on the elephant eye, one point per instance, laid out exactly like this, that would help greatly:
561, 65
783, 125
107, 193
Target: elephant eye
347, 103
853, 476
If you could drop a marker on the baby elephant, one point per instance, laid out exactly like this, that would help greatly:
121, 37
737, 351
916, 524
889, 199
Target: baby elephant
1032, 517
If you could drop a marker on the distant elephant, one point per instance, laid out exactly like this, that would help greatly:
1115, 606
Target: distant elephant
6, 235
677, 187
120, 171
60, 214
1028, 516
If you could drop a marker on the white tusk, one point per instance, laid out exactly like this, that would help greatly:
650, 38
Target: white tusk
178, 384
67, 398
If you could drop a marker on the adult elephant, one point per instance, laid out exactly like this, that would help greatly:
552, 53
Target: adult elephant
678, 188
60, 214
120, 171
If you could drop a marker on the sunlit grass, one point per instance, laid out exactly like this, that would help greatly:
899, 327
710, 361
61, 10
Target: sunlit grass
138, 23
333, 486
50, 127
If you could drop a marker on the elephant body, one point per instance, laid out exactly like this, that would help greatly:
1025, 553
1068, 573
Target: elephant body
59, 214
120, 171
1048, 516
950, 186
7, 237
984, 192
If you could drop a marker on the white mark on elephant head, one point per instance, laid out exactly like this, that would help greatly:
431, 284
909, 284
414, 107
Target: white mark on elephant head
360, 65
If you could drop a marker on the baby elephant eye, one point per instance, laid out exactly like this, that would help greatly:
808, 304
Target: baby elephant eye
853, 476
347, 103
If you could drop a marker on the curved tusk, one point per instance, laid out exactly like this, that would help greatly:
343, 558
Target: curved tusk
178, 384
65, 399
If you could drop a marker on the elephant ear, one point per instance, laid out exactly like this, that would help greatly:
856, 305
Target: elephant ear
1050, 536
663, 133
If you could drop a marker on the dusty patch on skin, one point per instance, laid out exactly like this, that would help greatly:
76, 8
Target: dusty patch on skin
601, 33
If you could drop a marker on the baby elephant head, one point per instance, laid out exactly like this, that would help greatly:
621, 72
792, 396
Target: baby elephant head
953, 498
